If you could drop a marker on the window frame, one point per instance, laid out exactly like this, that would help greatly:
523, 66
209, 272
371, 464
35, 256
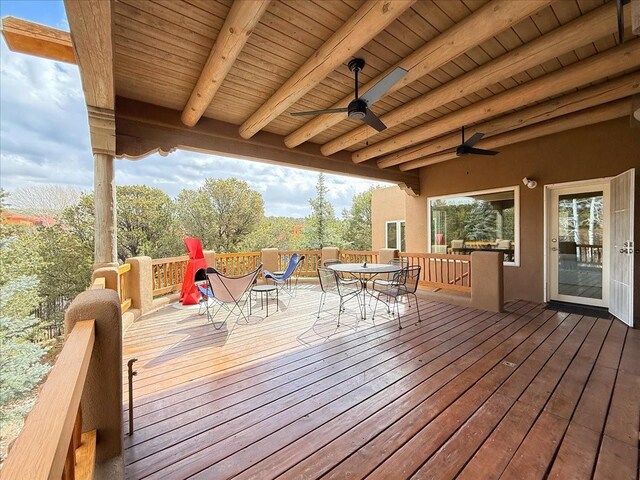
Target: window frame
516, 216
398, 233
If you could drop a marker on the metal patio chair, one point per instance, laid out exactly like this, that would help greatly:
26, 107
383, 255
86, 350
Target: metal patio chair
334, 284
230, 293
403, 284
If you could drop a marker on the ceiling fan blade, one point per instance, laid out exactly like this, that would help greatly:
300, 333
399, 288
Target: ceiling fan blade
379, 89
475, 138
480, 151
319, 112
372, 120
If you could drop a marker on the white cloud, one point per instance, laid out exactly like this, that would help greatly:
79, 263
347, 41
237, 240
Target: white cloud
44, 138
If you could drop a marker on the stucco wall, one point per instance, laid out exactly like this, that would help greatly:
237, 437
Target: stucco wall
386, 204
601, 150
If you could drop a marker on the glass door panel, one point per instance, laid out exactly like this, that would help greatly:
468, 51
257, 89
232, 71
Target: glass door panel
577, 257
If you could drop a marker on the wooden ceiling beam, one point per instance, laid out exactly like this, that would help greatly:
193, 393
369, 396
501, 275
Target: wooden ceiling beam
91, 25
610, 62
589, 97
143, 129
602, 113
32, 38
240, 22
369, 20
481, 25
581, 31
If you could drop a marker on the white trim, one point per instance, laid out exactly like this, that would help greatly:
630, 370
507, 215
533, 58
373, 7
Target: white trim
577, 187
398, 233
516, 216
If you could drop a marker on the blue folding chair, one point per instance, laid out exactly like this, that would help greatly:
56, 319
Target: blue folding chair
287, 281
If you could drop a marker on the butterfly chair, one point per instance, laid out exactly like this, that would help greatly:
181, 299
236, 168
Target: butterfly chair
332, 283
288, 276
230, 293
404, 283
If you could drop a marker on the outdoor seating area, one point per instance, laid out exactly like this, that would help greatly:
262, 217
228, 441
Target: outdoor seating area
527, 393
473, 320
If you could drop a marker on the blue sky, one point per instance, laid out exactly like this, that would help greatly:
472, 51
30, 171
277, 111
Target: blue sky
44, 137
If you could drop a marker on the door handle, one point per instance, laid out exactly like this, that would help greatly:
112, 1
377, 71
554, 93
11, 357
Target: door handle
554, 248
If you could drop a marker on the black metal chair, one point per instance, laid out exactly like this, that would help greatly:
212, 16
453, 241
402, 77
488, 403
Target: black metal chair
332, 283
403, 284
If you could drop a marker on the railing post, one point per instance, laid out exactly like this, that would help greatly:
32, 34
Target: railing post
102, 395
110, 275
329, 253
270, 259
141, 284
487, 282
210, 257
387, 254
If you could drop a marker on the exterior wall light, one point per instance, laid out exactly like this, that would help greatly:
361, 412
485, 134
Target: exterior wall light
529, 183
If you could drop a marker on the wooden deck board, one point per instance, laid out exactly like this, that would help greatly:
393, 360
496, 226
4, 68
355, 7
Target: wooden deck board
462, 394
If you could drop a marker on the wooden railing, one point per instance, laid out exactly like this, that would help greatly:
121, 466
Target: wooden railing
123, 286
358, 256
589, 254
440, 271
167, 274
312, 260
51, 444
237, 263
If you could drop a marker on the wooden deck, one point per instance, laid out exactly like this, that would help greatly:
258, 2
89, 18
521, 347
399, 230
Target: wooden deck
529, 393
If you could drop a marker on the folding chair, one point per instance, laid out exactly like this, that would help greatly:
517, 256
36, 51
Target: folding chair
230, 293
290, 274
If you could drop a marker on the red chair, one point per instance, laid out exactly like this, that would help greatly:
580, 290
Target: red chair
189, 294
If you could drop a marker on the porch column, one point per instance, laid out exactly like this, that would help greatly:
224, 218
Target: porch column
102, 128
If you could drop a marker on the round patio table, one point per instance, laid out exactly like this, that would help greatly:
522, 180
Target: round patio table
364, 274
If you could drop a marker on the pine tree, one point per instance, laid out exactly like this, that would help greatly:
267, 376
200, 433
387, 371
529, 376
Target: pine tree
321, 228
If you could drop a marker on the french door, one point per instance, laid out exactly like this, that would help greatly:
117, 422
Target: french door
622, 246
577, 246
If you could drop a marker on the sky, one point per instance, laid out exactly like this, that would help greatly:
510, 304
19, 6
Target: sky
44, 137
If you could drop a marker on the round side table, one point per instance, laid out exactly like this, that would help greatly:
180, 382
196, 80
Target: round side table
263, 290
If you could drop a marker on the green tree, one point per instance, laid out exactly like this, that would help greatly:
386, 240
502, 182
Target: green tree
357, 229
222, 213
65, 270
20, 360
321, 228
273, 232
145, 222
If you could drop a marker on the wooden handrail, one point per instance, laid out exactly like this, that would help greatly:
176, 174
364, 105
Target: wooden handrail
41, 449
159, 261
99, 284
312, 260
442, 271
167, 274
123, 285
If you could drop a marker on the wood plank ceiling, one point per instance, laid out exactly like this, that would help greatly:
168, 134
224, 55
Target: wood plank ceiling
161, 46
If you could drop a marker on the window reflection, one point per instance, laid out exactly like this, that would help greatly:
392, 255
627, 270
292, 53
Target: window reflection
472, 222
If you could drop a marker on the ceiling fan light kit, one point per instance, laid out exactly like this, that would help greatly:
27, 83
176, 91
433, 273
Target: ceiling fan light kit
467, 147
358, 108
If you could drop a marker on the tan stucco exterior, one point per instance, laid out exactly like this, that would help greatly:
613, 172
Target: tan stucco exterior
387, 204
596, 151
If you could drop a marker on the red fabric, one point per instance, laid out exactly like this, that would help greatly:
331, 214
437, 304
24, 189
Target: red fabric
189, 294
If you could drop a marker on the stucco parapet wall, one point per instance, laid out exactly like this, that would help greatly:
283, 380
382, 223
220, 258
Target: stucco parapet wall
269, 258
487, 281
110, 275
102, 394
141, 283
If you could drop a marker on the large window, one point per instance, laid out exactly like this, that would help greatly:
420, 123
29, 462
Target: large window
395, 235
468, 222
